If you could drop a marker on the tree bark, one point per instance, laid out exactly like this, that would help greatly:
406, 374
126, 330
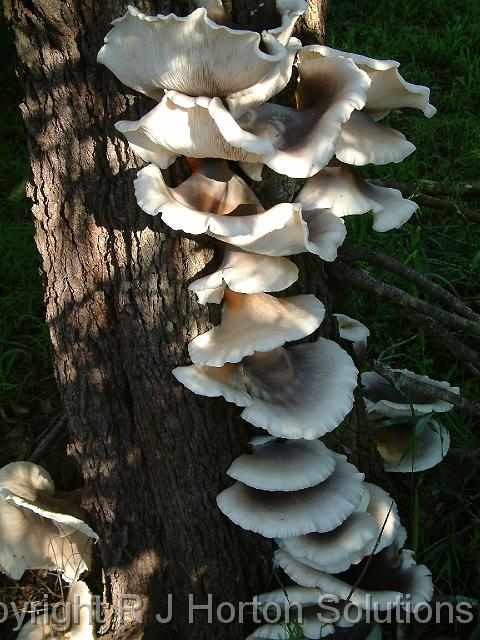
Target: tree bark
152, 454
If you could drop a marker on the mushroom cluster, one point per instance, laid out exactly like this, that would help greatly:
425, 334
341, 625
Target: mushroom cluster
213, 82
407, 435
41, 527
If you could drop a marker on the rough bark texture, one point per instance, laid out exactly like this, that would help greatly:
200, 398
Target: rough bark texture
152, 454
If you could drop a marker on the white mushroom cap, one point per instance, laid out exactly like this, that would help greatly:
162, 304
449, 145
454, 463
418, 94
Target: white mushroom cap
353, 331
301, 392
197, 57
350, 329
245, 272
384, 510
383, 399
336, 550
79, 619
388, 89
216, 201
31, 487
388, 579
403, 452
213, 382
195, 127
284, 466
38, 530
364, 141
27, 541
304, 140
284, 514
338, 188
256, 322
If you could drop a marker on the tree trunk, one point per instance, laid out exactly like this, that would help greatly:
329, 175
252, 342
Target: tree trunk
153, 455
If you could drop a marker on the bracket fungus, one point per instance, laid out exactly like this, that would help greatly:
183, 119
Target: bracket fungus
281, 514
41, 528
245, 272
404, 449
213, 82
338, 189
301, 392
383, 399
256, 322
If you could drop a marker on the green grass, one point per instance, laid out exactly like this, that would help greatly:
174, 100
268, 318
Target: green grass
434, 41
24, 346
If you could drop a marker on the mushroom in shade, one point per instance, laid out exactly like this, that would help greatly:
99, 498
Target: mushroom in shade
215, 201
362, 139
255, 322
353, 331
403, 450
301, 392
78, 622
295, 142
338, 188
288, 465
384, 510
281, 514
198, 57
337, 550
391, 578
383, 399
41, 528
245, 272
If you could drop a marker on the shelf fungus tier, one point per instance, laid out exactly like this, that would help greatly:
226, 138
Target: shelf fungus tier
282, 514
215, 201
303, 391
244, 67
340, 190
391, 578
284, 465
245, 272
256, 322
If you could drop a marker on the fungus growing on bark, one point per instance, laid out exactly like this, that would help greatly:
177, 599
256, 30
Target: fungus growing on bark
245, 272
404, 448
256, 322
78, 623
143, 52
212, 81
362, 140
301, 392
383, 399
40, 528
339, 189
281, 514
336, 550
288, 465
215, 201
385, 582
